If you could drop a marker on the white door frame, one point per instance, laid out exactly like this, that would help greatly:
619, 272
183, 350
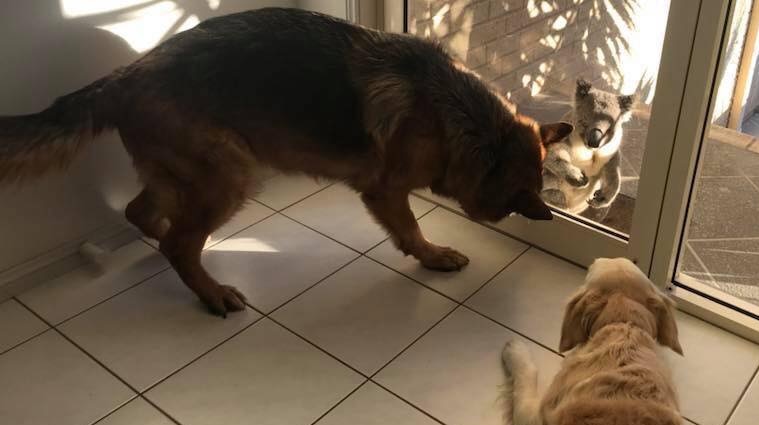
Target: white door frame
680, 180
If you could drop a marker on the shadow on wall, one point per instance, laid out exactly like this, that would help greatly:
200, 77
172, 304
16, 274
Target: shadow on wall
53, 47
528, 47
146, 23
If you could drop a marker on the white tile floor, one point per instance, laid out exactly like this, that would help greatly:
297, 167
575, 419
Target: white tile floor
342, 329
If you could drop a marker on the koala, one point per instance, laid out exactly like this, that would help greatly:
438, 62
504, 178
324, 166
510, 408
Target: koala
582, 170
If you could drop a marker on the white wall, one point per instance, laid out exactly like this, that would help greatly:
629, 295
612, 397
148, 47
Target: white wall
330, 7
50, 48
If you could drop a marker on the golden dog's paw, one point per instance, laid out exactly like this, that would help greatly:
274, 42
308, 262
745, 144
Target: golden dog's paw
515, 355
224, 299
443, 259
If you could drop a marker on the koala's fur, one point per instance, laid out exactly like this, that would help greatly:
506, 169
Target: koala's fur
583, 170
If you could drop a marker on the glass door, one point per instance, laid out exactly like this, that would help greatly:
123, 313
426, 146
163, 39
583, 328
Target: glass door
617, 69
593, 63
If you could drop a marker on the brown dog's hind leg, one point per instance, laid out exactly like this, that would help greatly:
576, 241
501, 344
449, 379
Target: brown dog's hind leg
182, 246
393, 212
144, 212
200, 213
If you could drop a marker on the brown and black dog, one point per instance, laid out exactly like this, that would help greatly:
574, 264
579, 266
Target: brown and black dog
300, 92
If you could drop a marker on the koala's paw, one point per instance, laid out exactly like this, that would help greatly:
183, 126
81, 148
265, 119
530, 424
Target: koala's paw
599, 200
577, 178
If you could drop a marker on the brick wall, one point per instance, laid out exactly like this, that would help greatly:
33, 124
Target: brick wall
527, 47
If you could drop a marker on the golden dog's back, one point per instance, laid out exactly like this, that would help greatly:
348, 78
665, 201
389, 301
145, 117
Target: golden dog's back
615, 379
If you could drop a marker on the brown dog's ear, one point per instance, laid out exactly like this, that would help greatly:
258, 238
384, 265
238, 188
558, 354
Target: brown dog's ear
555, 132
573, 332
664, 310
530, 205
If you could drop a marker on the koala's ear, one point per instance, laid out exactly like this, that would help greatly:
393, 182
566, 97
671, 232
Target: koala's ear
583, 88
626, 102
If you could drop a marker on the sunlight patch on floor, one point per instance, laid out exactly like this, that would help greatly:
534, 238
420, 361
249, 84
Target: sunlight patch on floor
244, 245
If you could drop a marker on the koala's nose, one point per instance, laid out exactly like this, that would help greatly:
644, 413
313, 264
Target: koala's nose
594, 136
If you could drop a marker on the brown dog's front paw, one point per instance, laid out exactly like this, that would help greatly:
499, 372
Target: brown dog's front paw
225, 299
443, 259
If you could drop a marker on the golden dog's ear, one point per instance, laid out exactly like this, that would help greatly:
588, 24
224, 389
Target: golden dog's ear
664, 310
573, 332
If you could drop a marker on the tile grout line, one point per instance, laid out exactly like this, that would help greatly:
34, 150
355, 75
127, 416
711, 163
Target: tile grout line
123, 381
629, 163
273, 212
85, 352
140, 394
528, 338
158, 408
493, 228
360, 255
110, 297
741, 396
301, 199
463, 304
114, 410
437, 291
418, 408
751, 182
203, 354
748, 238
737, 176
699, 261
168, 267
268, 215
514, 260
29, 338
388, 237
362, 374
340, 402
136, 397
277, 308
456, 307
448, 297
318, 232
343, 243
407, 347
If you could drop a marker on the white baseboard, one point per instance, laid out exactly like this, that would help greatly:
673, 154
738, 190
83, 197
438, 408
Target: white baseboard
61, 259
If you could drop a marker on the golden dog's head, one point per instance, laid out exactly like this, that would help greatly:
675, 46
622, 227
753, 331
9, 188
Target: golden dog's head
616, 291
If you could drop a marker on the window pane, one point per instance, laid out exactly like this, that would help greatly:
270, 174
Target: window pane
720, 252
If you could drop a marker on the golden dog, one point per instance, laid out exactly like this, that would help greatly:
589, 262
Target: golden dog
614, 377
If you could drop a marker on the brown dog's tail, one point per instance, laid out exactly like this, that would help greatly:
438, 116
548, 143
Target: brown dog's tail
31, 145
